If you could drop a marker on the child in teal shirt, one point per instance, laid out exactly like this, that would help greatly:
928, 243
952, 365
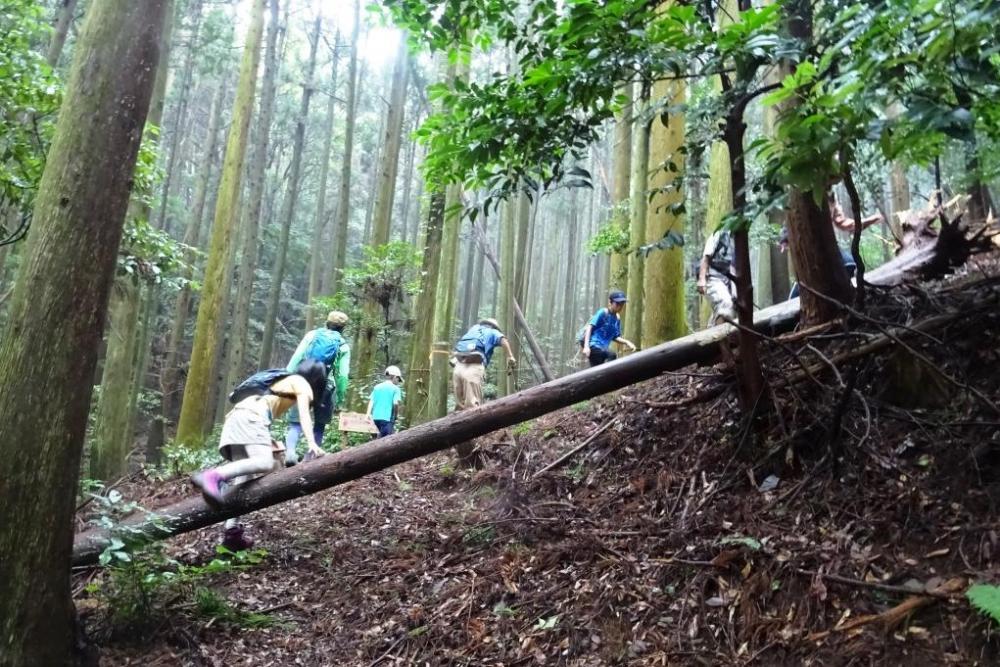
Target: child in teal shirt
384, 402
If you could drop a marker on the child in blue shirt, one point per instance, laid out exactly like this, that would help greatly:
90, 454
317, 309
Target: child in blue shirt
384, 402
604, 328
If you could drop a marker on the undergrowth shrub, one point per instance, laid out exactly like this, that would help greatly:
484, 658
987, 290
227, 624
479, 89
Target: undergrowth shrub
140, 592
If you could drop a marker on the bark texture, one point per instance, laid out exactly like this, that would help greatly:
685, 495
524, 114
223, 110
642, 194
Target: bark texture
320, 222
637, 223
68, 268
237, 366
415, 402
663, 280
344, 197
375, 313
289, 204
197, 408
621, 165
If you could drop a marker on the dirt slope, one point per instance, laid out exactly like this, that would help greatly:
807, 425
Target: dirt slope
660, 544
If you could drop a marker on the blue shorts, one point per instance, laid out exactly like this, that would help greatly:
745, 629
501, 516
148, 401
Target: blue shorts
385, 427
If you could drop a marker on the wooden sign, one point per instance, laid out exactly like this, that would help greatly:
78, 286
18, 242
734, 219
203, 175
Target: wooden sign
357, 422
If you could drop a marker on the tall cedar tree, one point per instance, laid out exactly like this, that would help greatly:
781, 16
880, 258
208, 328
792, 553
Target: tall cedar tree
375, 313
61, 298
125, 338
344, 196
291, 200
663, 280
818, 265
618, 276
316, 252
236, 361
197, 408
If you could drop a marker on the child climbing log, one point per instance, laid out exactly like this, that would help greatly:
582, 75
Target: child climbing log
351, 464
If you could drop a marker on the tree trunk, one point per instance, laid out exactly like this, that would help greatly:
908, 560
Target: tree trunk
111, 443
127, 342
67, 271
410, 161
237, 366
750, 376
508, 271
663, 280
818, 265
637, 223
170, 384
374, 312
316, 251
64, 18
417, 395
569, 319
289, 204
196, 409
469, 285
181, 113
622, 167
781, 282
719, 203
344, 199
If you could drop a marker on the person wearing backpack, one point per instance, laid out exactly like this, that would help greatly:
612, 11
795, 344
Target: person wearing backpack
473, 352
714, 275
328, 346
246, 435
604, 328
383, 405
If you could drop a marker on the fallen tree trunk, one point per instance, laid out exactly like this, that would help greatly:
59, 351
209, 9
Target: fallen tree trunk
193, 513
438, 435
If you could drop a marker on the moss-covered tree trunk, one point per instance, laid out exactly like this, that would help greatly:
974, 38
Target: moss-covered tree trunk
237, 365
621, 165
110, 443
663, 280
508, 279
65, 279
197, 409
289, 204
344, 197
320, 223
416, 399
169, 385
569, 320
372, 322
637, 219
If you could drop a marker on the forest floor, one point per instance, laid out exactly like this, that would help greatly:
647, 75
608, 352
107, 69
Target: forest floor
683, 535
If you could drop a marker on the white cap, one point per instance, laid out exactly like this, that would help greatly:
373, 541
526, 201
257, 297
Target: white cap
393, 371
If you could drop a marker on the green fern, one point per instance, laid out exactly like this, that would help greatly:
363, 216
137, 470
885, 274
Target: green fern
985, 598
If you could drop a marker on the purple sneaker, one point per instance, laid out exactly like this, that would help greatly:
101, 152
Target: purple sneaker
234, 539
210, 484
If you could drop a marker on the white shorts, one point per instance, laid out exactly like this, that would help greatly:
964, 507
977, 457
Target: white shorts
720, 295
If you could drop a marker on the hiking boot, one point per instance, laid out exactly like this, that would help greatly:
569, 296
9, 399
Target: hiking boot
210, 483
234, 539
